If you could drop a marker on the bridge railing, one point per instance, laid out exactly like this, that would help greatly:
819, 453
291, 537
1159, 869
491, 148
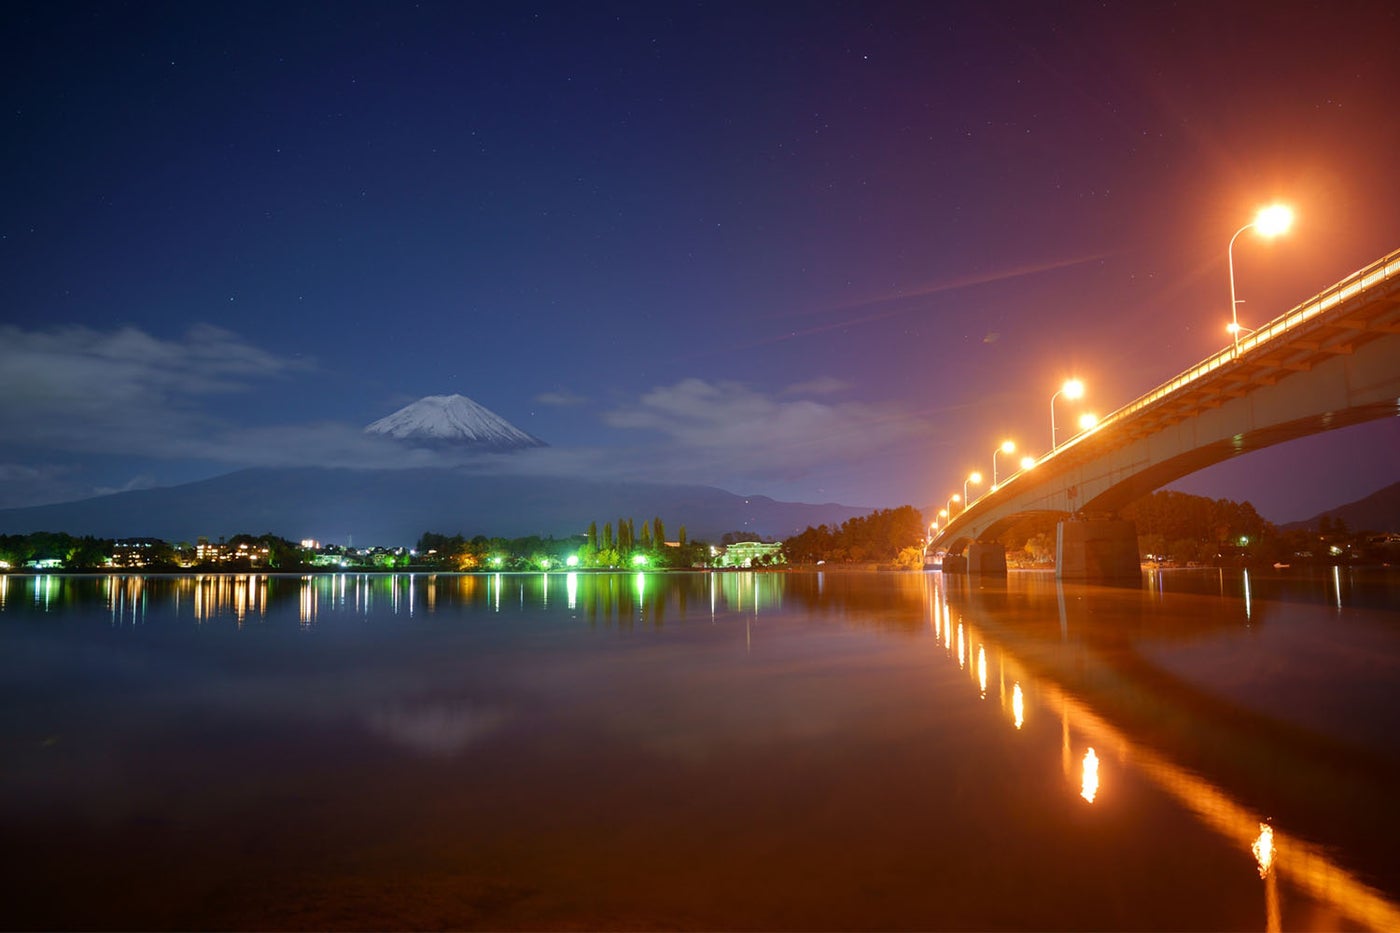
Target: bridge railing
1382, 270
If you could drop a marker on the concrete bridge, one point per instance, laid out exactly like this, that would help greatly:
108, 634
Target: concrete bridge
1332, 361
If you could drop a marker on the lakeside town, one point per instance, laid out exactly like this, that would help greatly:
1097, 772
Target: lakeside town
1174, 529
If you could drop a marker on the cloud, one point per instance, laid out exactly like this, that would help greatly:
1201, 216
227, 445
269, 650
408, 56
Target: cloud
76, 388
562, 398
822, 385
24, 484
139, 481
728, 428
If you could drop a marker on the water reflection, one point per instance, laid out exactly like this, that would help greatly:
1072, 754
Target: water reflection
1099, 662
1276, 853
1358, 587
310, 600
1263, 848
125, 602
637, 598
625, 600
1089, 782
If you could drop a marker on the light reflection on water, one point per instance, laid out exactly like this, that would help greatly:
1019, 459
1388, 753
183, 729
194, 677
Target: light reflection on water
539, 733
1309, 866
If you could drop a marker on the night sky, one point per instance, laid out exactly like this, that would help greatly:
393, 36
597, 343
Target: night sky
818, 251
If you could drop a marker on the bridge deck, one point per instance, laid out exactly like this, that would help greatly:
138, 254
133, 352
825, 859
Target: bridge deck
1362, 308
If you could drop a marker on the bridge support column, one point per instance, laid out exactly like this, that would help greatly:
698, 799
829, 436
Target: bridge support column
954, 563
986, 558
1097, 551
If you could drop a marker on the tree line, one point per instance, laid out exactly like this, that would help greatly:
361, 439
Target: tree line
242, 551
628, 544
1183, 528
883, 536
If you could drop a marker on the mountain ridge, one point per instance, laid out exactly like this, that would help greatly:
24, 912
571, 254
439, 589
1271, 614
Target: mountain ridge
1380, 511
395, 507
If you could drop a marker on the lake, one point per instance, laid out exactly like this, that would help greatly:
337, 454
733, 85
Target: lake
1216, 750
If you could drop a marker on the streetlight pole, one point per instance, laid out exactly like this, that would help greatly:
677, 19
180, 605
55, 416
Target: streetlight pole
1270, 222
1007, 447
949, 510
974, 477
1072, 388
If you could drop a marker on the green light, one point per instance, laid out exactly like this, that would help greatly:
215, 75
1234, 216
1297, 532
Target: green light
639, 560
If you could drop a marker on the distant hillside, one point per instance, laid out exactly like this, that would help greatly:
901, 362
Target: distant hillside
1380, 511
394, 507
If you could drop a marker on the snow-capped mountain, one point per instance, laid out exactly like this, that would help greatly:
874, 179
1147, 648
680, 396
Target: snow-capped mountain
452, 420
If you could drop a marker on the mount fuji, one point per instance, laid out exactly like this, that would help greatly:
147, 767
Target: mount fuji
452, 421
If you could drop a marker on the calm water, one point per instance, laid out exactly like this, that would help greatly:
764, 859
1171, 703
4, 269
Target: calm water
727, 751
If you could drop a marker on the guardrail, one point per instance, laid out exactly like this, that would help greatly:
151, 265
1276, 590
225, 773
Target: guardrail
1382, 270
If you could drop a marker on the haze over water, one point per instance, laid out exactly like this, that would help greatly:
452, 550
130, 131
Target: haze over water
718, 751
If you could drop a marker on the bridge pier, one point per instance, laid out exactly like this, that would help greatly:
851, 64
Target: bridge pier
986, 559
1097, 551
954, 563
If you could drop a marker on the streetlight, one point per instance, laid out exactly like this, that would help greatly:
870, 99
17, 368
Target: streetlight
1027, 462
974, 478
1270, 222
1007, 447
1072, 388
949, 510
1088, 420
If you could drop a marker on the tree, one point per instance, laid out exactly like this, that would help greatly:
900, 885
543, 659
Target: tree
658, 531
1153, 545
1207, 524
879, 536
88, 553
281, 553
910, 558
1040, 548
